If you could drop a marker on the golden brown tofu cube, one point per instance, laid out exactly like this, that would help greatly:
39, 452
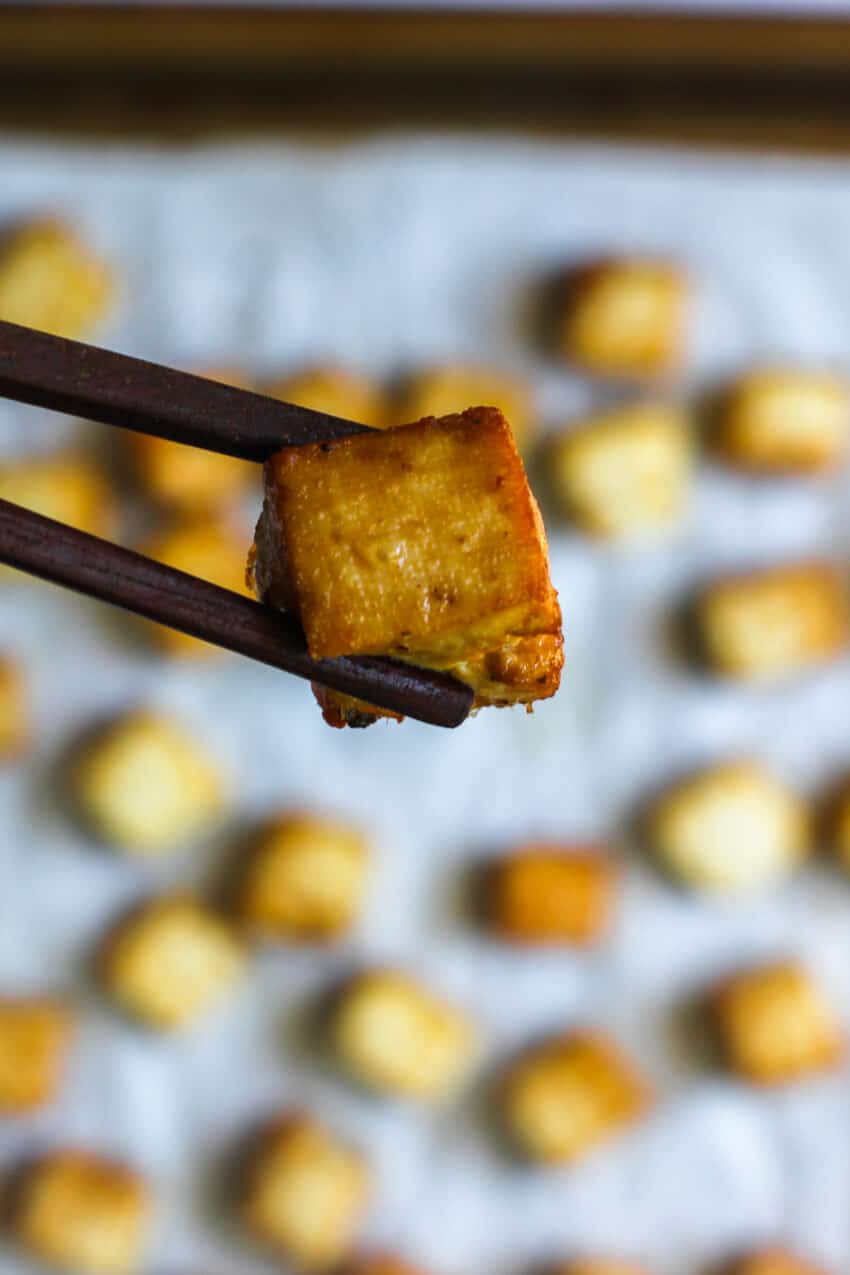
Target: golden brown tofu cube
772, 1261
783, 421
442, 391
50, 279
189, 480
625, 318
211, 548
774, 622
14, 715
550, 894
421, 542
305, 1193
34, 1039
569, 1094
68, 487
335, 391
170, 961
729, 829
83, 1213
380, 1264
303, 879
625, 474
775, 1026
145, 786
394, 1035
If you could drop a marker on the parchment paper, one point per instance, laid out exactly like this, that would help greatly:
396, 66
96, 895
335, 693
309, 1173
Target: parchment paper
382, 255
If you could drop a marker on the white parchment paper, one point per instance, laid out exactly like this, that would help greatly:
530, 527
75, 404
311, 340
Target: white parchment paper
382, 255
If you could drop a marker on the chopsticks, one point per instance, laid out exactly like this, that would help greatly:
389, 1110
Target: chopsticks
68, 376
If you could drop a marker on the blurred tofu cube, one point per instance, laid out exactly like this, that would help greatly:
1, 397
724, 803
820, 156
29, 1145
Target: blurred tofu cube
50, 279
34, 1040
14, 713
770, 1261
145, 786
625, 318
393, 1035
837, 825
774, 622
783, 421
550, 894
83, 1214
774, 1025
729, 829
305, 1193
442, 391
68, 487
170, 961
189, 480
569, 1094
303, 879
334, 391
421, 542
627, 473
380, 1264
212, 549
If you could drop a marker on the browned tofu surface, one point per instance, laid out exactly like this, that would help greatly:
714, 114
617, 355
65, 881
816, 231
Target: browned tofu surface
83, 1213
34, 1038
775, 1026
422, 542
625, 317
773, 622
770, 1261
14, 715
570, 1093
550, 894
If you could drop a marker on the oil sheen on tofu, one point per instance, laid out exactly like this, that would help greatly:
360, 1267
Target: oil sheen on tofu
422, 542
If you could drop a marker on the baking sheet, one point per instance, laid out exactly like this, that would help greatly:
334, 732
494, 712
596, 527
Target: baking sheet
386, 254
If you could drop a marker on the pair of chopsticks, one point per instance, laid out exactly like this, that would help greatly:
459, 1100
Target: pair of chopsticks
113, 389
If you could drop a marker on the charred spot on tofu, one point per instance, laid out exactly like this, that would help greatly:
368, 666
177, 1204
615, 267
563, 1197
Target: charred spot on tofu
422, 543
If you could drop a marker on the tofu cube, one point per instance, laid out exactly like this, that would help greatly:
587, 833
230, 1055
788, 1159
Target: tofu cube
625, 318
305, 1193
50, 279
380, 1264
14, 714
550, 894
211, 548
769, 624
838, 825
189, 480
597, 1266
82, 1213
568, 1095
170, 961
423, 543
729, 829
303, 879
336, 391
34, 1040
395, 1036
68, 487
771, 1261
625, 474
774, 1025
145, 786
443, 390
783, 421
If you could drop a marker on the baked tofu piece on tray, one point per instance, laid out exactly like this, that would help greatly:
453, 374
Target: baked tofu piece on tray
422, 543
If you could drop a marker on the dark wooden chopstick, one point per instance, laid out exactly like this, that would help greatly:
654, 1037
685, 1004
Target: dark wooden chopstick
105, 571
115, 389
